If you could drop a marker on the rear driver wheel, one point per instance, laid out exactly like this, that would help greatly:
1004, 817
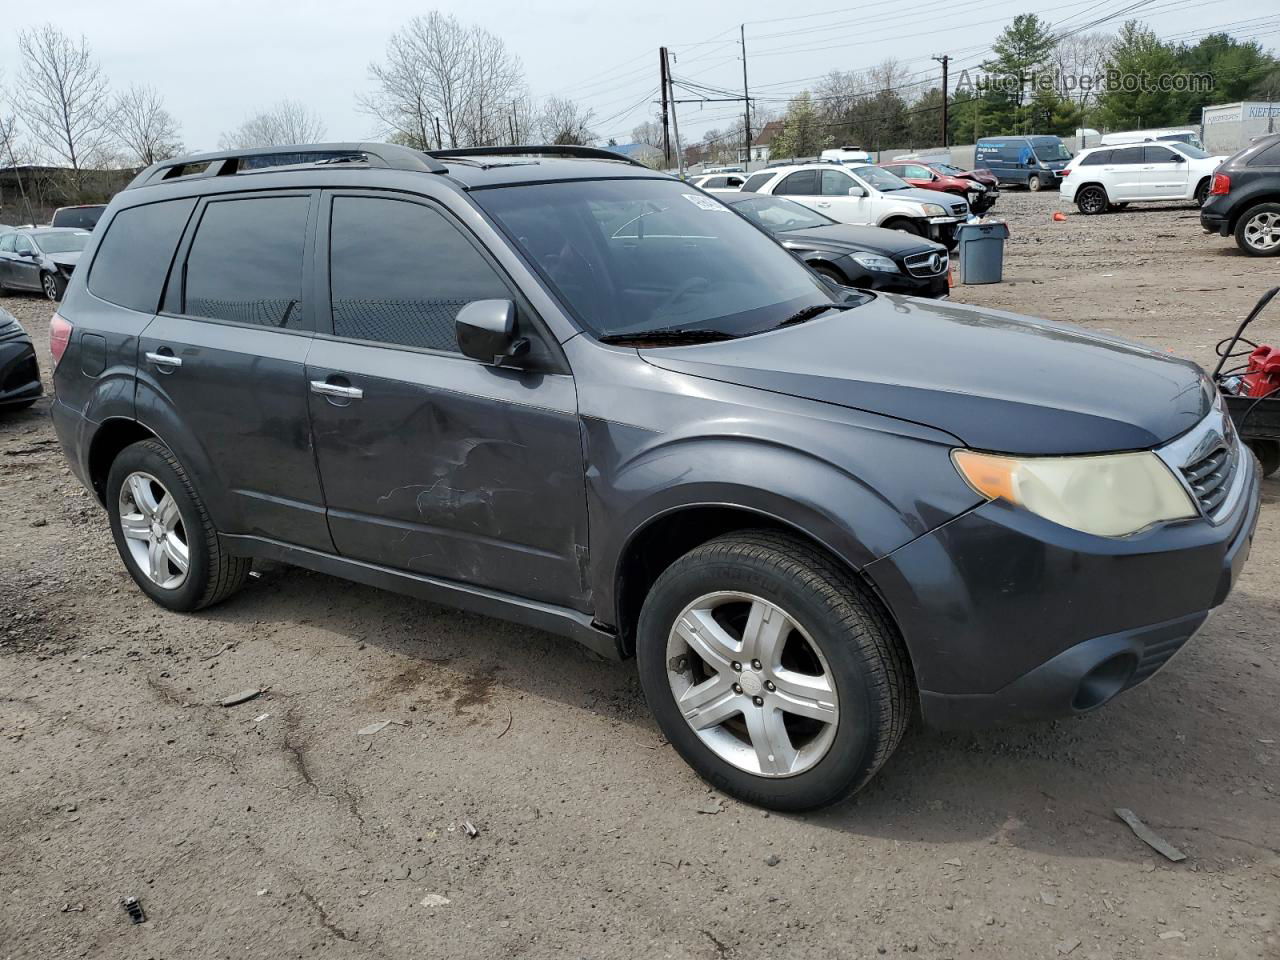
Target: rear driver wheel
775, 674
1091, 200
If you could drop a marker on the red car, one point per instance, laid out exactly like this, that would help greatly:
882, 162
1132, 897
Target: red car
979, 187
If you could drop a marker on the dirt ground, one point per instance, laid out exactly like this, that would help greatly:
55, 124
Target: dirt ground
274, 829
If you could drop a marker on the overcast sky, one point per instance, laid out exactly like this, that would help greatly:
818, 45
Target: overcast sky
216, 64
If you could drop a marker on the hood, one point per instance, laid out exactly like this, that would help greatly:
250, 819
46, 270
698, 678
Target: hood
65, 259
924, 196
994, 380
843, 238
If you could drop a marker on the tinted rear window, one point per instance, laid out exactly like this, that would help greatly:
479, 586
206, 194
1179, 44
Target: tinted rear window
1269, 157
84, 217
133, 258
245, 263
756, 181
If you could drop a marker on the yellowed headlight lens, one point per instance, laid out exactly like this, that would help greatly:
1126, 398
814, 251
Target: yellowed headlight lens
1112, 495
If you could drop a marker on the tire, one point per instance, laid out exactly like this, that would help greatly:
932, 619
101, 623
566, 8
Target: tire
1034, 185
1258, 230
837, 639
53, 286
832, 274
906, 226
211, 574
1202, 192
1268, 454
1092, 200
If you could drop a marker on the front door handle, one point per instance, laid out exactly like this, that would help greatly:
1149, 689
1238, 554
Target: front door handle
164, 360
335, 390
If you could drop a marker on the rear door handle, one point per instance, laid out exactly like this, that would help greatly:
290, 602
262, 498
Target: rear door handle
164, 360
334, 390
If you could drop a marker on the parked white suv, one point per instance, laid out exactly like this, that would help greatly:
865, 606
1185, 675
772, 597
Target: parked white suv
865, 195
1108, 178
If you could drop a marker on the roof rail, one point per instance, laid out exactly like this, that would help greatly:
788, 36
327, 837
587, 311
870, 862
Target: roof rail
223, 163
536, 150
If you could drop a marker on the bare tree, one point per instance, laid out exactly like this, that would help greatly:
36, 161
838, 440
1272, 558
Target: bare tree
145, 128
565, 122
63, 100
440, 75
1078, 56
286, 122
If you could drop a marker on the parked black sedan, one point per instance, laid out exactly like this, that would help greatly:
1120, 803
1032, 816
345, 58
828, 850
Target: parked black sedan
19, 374
871, 258
40, 259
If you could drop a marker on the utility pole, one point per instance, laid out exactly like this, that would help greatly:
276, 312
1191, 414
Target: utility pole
666, 130
945, 59
746, 97
675, 124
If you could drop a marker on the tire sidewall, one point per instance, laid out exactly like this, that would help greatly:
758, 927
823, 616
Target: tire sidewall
1245, 218
853, 747
1087, 192
51, 278
148, 458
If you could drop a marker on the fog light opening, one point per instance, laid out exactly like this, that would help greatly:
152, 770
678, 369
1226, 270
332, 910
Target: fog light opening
1104, 681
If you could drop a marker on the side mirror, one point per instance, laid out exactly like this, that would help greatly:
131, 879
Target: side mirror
486, 332
857, 192
31, 254
1178, 158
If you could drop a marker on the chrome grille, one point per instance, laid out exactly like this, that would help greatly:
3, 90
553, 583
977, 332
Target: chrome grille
1210, 478
959, 209
927, 264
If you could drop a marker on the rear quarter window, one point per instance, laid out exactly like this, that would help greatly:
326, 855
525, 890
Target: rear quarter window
133, 257
1269, 157
1096, 159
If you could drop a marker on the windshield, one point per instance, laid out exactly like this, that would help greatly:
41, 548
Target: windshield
778, 215
882, 180
61, 242
628, 256
1050, 149
1186, 149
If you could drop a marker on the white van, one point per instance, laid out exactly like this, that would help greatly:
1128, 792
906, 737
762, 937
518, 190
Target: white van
1180, 134
851, 155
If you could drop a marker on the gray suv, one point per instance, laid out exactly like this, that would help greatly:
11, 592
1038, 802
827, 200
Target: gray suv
550, 385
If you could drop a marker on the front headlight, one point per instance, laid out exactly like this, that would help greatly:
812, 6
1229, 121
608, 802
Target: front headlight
934, 210
873, 261
1112, 495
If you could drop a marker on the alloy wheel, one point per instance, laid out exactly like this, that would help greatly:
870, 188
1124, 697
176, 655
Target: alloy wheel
153, 530
752, 684
50, 285
1262, 232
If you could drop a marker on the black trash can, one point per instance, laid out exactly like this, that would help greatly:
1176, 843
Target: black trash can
981, 250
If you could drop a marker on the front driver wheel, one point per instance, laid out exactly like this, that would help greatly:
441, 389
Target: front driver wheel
163, 533
1034, 185
776, 674
53, 286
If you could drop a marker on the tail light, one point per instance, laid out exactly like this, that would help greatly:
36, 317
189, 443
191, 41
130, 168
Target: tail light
59, 337
1221, 185
1066, 171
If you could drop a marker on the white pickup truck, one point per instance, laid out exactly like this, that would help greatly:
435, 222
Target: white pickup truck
865, 195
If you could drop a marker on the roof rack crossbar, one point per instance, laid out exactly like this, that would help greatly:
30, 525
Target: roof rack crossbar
226, 162
536, 150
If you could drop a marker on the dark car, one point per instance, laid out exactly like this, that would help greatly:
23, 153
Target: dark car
871, 258
19, 373
1244, 198
929, 177
1036, 162
551, 385
82, 217
42, 259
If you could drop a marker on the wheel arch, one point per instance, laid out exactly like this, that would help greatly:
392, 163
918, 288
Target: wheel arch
669, 535
112, 436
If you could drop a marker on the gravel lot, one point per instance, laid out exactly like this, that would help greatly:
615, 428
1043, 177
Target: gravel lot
273, 830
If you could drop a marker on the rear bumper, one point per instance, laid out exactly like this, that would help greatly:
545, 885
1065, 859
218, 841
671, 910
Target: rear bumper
19, 373
1009, 617
1215, 223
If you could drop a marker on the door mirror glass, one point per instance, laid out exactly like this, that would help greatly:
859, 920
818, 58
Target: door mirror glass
857, 192
487, 332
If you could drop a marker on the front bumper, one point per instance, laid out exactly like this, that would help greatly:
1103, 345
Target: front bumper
19, 373
1010, 617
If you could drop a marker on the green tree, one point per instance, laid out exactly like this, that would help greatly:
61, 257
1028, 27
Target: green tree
1022, 52
1138, 60
924, 120
1239, 70
802, 134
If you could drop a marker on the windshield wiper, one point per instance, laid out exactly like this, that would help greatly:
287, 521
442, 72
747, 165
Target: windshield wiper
814, 310
668, 337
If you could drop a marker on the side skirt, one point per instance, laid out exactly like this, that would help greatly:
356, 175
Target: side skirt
490, 603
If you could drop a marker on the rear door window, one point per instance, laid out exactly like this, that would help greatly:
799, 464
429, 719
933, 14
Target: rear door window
1128, 155
399, 272
245, 263
133, 258
801, 183
756, 181
7, 241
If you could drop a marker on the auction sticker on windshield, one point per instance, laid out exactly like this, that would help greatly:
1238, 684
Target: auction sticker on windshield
706, 203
